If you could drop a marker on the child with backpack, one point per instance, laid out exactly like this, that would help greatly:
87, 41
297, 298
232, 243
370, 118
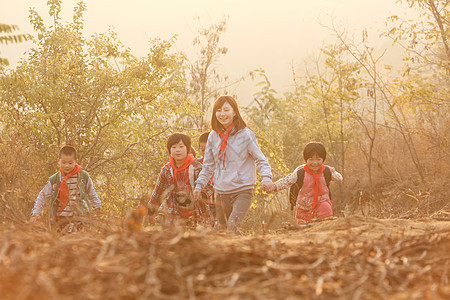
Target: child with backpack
70, 191
309, 185
172, 196
232, 154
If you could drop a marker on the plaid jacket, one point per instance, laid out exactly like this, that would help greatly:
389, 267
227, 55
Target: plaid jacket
165, 195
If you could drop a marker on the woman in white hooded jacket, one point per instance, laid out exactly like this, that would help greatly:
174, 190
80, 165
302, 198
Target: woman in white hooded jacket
232, 154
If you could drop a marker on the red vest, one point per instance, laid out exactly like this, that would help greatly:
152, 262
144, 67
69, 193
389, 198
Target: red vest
306, 194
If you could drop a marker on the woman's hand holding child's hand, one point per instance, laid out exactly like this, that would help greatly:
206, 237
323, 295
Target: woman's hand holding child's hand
268, 186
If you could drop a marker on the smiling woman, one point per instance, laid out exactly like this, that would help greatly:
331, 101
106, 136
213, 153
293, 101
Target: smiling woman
231, 154
225, 115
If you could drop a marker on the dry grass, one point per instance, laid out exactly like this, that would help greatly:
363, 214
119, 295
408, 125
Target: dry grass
352, 257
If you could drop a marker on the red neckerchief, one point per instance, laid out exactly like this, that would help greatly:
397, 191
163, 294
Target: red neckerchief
184, 165
223, 146
317, 187
64, 187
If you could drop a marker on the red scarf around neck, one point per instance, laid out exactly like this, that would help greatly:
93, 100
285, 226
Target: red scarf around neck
223, 146
317, 187
184, 165
64, 187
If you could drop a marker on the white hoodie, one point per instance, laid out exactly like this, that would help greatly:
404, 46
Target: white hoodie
239, 173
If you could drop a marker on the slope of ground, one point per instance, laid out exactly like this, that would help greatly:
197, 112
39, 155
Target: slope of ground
353, 257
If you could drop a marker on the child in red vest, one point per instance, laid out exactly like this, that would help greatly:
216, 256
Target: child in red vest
313, 199
172, 195
70, 191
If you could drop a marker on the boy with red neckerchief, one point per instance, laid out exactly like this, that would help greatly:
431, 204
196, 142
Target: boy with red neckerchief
172, 195
313, 199
70, 191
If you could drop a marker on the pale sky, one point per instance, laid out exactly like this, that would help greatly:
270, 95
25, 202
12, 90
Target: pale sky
267, 34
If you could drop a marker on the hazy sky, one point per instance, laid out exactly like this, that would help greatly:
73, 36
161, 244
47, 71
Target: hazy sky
268, 34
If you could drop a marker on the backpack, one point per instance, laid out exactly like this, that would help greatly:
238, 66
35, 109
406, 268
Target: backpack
296, 187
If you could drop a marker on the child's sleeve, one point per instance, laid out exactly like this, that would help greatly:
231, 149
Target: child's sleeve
92, 195
286, 182
160, 187
208, 189
261, 161
42, 199
335, 175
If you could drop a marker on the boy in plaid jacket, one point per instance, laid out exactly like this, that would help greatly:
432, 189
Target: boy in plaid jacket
172, 196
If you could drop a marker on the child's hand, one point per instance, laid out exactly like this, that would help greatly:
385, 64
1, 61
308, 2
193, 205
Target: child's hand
152, 219
335, 175
152, 210
268, 186
34, 219
197, 195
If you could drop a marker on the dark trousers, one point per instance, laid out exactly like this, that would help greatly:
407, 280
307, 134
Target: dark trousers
232, 208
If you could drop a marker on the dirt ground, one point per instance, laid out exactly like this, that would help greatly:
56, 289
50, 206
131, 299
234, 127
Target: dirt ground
346, 258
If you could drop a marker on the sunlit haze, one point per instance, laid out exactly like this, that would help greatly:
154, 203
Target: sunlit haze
272, 35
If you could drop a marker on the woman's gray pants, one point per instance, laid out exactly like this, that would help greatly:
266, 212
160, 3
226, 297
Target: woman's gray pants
232, 208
